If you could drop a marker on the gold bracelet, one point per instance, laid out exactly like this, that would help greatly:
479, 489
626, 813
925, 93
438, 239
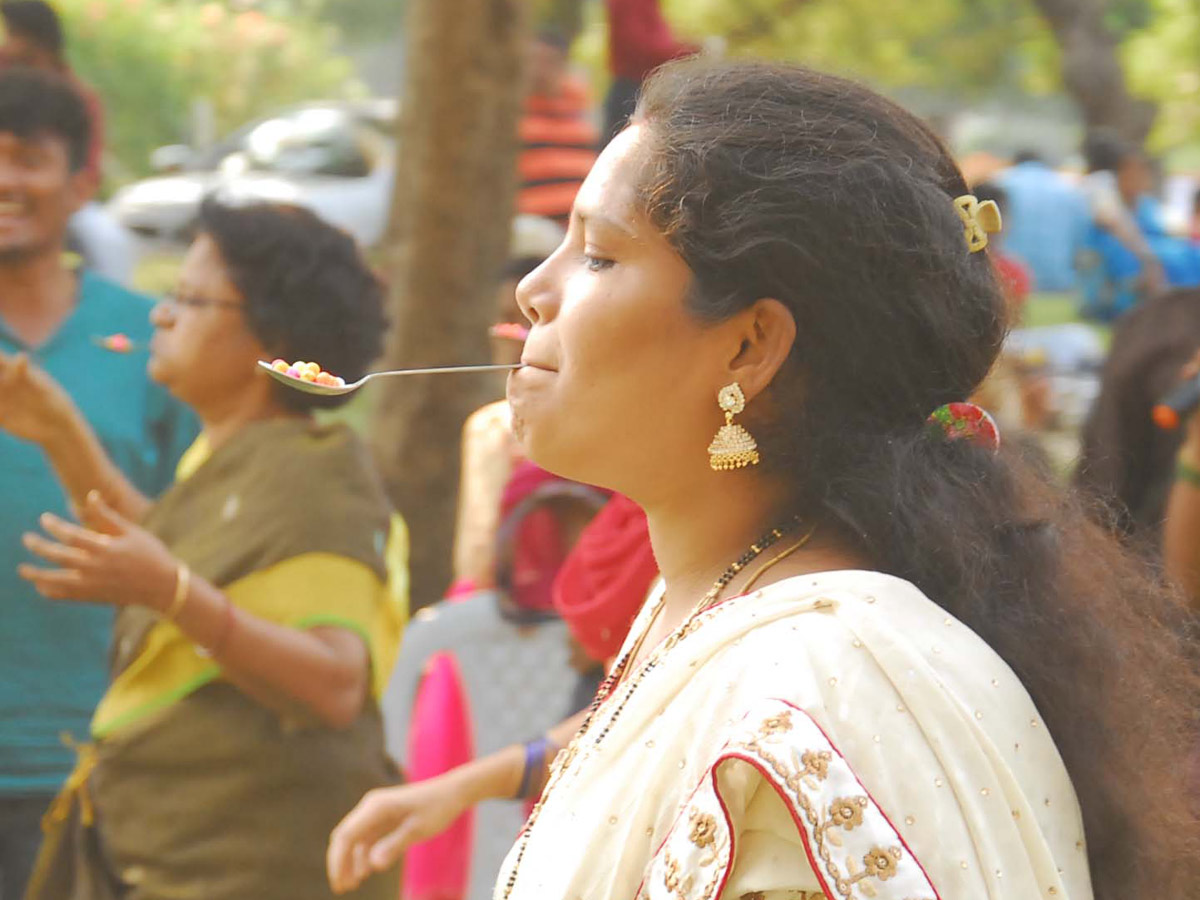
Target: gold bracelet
183, 579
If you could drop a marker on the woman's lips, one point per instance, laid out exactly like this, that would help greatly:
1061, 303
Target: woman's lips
530, 364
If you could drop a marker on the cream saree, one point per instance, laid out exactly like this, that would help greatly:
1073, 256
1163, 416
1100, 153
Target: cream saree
835, 735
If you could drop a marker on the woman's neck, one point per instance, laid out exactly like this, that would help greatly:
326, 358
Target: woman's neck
698, 535
224, 419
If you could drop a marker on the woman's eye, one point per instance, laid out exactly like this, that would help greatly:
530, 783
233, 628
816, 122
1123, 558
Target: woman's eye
596, 263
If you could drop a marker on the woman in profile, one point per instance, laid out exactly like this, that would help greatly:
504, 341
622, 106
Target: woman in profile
253, 600
888, 660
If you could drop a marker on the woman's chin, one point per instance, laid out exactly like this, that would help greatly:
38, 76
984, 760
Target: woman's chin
544, 435
162, 373
545, 447
526, 435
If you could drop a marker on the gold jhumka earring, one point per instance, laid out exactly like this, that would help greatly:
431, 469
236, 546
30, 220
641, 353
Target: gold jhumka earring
733, 447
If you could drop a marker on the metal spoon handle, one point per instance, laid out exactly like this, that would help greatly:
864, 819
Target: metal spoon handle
444, 369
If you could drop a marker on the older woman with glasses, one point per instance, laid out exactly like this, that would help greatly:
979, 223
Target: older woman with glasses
253, 597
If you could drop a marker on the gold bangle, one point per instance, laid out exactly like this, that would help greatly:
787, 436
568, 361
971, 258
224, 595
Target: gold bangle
183, 579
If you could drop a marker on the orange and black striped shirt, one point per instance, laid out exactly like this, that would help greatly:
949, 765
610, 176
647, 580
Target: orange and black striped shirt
558, 147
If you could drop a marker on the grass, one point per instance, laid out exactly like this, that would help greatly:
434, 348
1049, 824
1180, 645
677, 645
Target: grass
1050, 309
1046, 309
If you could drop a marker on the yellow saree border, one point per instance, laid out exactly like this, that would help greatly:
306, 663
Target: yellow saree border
303, 591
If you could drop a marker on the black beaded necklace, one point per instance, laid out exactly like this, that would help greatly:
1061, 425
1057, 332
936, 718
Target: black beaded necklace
608, 686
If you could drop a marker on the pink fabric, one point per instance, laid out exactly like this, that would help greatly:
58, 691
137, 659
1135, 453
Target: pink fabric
440, 739
463, 587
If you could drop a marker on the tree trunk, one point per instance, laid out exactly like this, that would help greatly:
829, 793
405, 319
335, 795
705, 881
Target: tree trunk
447, 241
1091, 68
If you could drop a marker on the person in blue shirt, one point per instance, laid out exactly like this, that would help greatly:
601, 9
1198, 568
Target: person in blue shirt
1130, 254
91, 337
1045, 223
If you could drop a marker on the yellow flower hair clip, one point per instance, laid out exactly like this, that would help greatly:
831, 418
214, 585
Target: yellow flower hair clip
979, 219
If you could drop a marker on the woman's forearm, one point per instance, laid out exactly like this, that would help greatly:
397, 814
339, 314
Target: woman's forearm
322, 670
498, 776
83, 465
492, 777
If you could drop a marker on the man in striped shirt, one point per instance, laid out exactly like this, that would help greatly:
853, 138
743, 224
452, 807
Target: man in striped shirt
558, 139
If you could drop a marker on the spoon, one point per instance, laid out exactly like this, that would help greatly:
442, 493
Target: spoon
332, 390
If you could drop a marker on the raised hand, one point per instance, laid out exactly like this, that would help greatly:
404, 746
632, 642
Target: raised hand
33, 406
106, 560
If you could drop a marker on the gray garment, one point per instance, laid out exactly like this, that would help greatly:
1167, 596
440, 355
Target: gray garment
518, 682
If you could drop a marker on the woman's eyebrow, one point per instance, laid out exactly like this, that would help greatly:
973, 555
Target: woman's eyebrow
597, 219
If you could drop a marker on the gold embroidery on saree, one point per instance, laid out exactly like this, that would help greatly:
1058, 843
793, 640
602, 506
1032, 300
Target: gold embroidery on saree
704, 829
851, 842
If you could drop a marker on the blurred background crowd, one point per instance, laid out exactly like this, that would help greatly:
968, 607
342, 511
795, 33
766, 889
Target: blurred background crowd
447, 140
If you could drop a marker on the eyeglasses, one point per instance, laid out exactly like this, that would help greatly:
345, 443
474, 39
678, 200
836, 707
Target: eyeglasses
199, 302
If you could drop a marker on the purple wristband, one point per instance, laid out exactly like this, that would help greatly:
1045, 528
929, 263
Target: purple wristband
535, 758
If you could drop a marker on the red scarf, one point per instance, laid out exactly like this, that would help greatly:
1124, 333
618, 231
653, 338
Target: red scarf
606, 577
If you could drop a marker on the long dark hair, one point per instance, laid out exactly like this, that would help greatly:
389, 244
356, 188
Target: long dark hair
776, 181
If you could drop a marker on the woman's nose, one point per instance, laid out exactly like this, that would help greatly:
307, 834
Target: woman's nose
537, 293
163, 314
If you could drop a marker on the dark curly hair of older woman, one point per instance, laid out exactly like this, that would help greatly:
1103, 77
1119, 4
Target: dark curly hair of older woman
309, 292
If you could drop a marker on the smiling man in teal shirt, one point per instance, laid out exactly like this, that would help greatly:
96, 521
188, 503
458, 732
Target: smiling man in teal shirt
53, 656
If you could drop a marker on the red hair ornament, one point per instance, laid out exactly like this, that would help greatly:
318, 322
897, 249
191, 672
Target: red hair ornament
965, 422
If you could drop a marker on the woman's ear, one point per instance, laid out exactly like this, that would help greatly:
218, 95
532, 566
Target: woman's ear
767, 331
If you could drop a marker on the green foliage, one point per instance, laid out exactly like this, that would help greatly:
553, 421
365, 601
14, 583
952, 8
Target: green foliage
1124, 16
1163, 62
965, 48
366, 19
152, 59
565, 16
970, 44
356, 20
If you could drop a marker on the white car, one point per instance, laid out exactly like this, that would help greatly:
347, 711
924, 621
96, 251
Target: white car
335, 158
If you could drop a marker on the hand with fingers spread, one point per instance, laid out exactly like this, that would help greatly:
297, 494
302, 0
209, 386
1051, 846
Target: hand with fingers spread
106, 560
33, 406
385, 823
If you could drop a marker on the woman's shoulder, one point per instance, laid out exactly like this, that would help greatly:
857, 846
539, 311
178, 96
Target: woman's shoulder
857, 601
838, 642
306, 455
320, 487
835, 606
862, 583
861, 673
